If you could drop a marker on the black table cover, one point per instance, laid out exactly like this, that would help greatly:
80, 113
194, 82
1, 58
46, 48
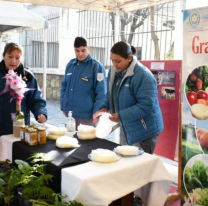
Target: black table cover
60, 157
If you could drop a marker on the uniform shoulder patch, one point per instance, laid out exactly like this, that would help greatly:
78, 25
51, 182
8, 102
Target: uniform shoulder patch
100, 76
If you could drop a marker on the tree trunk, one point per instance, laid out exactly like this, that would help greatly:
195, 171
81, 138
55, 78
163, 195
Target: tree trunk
112, 20
123, 31
154, 36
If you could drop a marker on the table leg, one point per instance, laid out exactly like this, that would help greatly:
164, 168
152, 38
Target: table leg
124, 201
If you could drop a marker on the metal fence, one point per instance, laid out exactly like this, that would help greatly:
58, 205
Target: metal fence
98, 28
32, 43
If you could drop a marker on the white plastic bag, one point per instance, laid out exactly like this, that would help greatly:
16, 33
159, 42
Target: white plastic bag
105, 126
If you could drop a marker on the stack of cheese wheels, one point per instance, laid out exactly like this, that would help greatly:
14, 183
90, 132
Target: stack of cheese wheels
103, 155
56, 132
127, 150
67, 142
86, 132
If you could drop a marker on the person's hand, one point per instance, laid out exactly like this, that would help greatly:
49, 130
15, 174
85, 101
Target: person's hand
95, 121
98, 113
41, 118
64, 114
114, 117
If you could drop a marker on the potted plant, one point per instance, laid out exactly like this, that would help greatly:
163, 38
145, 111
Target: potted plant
34, 180
8, 180
26, 182
59, 201
5, 165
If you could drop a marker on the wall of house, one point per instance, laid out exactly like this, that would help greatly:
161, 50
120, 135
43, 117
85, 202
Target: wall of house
53, 85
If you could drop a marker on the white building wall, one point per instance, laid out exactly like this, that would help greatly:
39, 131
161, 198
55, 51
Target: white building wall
68, 31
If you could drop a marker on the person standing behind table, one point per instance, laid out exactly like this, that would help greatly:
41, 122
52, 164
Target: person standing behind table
32, 100
132, 100
83, 86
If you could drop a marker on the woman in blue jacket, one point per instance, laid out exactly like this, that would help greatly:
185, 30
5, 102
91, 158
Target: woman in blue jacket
132, 100
32, 100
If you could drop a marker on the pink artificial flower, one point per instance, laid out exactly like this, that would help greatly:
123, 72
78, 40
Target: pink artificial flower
16, 86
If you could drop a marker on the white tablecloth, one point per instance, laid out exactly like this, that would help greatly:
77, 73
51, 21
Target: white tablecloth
6, 142
98, 184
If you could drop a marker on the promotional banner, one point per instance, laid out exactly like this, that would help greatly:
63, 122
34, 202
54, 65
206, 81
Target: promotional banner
167, 74
195, 108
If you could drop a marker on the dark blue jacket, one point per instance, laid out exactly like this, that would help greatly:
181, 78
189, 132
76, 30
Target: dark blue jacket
138, 105
83, 88
32, 100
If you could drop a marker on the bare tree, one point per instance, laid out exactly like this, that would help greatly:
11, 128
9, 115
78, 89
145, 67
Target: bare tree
126, 18
139, 14
136, 19
153, 34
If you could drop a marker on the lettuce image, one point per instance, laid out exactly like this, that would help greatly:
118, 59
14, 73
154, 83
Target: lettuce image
196, 181
201, 196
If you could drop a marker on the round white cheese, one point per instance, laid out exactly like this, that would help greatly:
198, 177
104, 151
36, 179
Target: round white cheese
66, 142
103, 155
127, 150
56, 132
86, 132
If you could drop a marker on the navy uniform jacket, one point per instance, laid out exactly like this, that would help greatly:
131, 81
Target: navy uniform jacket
83, 88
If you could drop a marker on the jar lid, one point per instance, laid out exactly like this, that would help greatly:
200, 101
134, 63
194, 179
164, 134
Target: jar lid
32, 130
41, 128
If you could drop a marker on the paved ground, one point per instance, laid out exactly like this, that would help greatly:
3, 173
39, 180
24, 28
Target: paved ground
55, 115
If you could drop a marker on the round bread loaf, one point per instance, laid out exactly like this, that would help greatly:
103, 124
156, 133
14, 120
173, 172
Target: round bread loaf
103, 155
86, 132
66, 142
127, 150
55, 132
199, 111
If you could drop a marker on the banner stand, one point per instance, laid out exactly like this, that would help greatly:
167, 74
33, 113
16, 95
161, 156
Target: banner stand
177, 195
169, 79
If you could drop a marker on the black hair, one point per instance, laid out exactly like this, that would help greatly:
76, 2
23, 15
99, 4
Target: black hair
122, 49
133, 50
80, 41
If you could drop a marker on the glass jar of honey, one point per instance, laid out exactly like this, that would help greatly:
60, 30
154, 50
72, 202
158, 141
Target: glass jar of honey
22, 133
41, 135
33, 137
27, 128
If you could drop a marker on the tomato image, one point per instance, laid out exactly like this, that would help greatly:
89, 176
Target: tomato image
191, 97
202, 95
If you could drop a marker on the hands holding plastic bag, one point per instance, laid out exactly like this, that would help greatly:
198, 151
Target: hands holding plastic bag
113, 117
106, 122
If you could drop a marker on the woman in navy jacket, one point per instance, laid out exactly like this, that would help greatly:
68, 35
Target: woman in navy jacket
32, 100
132, 100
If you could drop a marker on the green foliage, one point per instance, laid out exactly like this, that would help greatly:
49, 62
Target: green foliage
34, 180
59, 201
5, 164
188, 151
196, 180
201, 73
8, 180
201, 196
